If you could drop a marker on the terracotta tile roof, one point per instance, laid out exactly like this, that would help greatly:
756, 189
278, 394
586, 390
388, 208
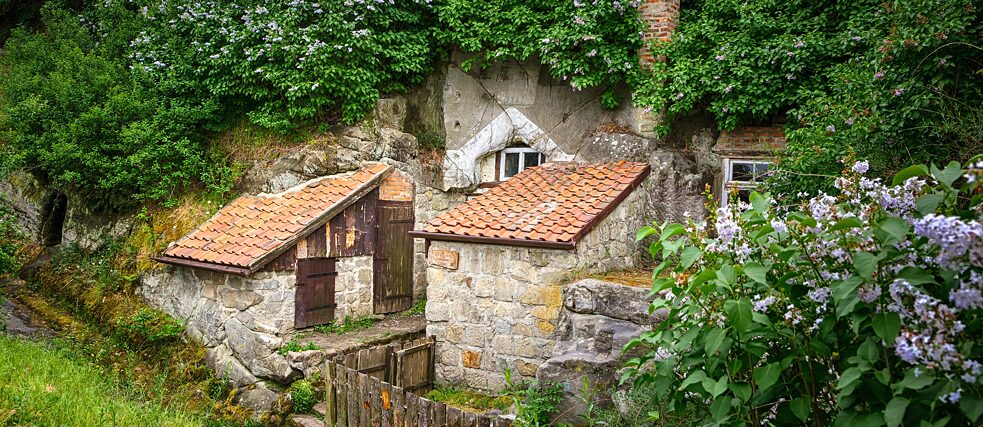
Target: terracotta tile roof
246, 231
556, 203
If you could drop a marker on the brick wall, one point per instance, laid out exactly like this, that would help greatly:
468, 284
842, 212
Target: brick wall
661, 18
398, 187
751, 139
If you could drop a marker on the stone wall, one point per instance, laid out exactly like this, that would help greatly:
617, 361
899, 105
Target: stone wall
353, 287
501, 308
237, 319
26, 196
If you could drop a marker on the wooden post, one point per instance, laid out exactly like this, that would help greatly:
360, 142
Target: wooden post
412, 405
469, 419
399, 407
425, 415
342, 400
375, 390
330, 416
387, 404
439, 414
364, 415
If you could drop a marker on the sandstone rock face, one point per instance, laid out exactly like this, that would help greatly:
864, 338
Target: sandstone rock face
239, 320
675, 187
26, 196
93, 230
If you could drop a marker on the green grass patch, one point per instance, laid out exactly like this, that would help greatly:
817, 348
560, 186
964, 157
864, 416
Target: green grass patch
349, 324
44, 384
294, 345
469, 400
419, 307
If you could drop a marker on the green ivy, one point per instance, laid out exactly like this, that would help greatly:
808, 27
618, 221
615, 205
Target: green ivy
898, 82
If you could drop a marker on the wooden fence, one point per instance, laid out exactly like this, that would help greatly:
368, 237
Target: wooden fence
378, 387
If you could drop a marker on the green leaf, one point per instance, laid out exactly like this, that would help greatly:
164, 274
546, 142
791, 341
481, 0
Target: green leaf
801, 408
949, 175
912, 382
719, 387
847, 223
695, 377
865, 263
702, 278
916, 276
887, 326
645, 232
845, 295
672, 230
759, 202
766, 376
689, 256
894, 227
928, 203
972, 406
869, 351
739, 314
849, 377
908, 172
727, 274
741, 390
720, 409
894, 412
713, 340
756, 272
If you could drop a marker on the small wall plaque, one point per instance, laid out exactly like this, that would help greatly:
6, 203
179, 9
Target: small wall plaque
442, 258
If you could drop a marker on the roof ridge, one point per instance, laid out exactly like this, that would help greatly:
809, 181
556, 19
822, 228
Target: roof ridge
312, 181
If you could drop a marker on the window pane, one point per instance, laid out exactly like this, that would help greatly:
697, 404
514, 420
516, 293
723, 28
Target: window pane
511, 165
744, 196
760, 171
741, 171
530, 160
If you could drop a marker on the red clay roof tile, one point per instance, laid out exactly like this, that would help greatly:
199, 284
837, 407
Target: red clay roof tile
249, 228
555, 202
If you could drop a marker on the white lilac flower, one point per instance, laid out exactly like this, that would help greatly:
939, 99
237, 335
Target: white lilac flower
861, 167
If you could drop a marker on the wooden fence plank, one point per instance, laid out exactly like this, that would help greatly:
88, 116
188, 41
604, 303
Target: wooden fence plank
454, 417
439, 414
412, 405
483, 421
352, 398
330, 416
375, 391
501, 422
386, 396
424, 420
342, 398
469, 419
363, 404
399, 407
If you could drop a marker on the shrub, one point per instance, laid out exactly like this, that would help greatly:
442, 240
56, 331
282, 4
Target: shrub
149, 326
534, 403
896, 81
302, 394
861, 309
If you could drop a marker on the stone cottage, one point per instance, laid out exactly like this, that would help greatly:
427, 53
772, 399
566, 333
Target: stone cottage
266, 265
497, 263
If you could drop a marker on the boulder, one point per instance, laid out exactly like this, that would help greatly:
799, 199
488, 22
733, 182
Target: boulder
591, 296
92, 230
257, 397
26, 196
675, 187
282, 173
226, 366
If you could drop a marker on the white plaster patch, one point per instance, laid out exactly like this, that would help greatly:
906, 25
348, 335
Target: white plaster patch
462, 166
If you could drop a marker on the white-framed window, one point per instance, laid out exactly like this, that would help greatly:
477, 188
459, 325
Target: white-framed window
743, 174
513, 160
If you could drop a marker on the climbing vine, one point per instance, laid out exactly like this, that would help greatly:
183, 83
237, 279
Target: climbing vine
895, 81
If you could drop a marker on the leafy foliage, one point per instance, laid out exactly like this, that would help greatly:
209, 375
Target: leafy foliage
895, 81
302, 394
10, 235
589, 43
149, 327
862, 309
294, 345
75, 114
534, 403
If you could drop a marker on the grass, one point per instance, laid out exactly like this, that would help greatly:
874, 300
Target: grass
469, 400
44, 384
347, 325
419, 307
295, 345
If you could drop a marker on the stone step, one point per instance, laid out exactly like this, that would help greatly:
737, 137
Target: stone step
304, 420
321, 408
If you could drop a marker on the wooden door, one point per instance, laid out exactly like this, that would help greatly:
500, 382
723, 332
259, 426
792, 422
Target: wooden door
314, 302
393, 261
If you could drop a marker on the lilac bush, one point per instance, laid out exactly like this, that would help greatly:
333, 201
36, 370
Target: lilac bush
862, 308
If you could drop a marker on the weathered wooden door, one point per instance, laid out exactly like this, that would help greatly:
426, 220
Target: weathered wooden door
393, 263
314, 302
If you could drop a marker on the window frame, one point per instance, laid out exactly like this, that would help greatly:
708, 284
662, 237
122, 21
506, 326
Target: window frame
523, 152
729, 181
